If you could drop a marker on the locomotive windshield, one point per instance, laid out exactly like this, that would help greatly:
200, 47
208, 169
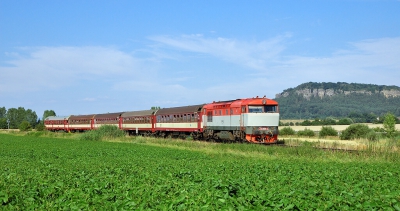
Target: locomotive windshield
263, 109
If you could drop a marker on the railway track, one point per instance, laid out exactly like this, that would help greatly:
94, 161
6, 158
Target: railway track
281, 143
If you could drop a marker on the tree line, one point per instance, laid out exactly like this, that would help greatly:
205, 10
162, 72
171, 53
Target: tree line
15, 118
352, 118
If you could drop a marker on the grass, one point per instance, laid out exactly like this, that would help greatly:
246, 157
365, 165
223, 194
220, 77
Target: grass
378, 150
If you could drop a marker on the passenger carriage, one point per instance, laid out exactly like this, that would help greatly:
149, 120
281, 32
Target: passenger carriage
56, 123
138, 122
107, 119
179, 121
80, 123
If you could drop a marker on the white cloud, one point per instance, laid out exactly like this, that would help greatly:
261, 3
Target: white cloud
89, 99
255, 55
367, 61
54, 67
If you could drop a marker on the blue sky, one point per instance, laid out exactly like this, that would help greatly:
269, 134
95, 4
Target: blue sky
80, 57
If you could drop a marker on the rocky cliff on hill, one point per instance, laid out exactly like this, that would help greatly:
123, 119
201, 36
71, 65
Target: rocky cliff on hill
318, 100
321, 90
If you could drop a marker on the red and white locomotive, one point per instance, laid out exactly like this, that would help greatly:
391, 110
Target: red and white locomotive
254, 120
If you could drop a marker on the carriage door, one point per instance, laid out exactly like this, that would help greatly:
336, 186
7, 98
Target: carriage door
204, 119
92, 123
243, 111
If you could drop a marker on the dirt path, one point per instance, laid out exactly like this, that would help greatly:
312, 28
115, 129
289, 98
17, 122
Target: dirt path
327, 143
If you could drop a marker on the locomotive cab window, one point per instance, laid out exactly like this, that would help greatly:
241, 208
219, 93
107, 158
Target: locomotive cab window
255, 109
270, 109
263, 109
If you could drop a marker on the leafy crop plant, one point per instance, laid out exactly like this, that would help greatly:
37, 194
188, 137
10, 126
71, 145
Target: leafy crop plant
64, 174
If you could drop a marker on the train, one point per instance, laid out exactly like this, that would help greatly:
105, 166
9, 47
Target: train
252, 120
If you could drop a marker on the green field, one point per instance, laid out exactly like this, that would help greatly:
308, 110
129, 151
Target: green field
42, 173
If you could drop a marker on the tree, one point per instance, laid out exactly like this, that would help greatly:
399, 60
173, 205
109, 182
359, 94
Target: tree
31, 117
13, 117
3, 112
3, 123
389, 124
48, 113
17, 116
3, 118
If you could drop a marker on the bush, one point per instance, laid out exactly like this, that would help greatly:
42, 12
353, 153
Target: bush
306, 123
287, 131
329, 121
378, 129
103, 132
372, 136
327, 131
92, 135
40, 127
355, 131
25, 126
345, 121
110, 131
306, 132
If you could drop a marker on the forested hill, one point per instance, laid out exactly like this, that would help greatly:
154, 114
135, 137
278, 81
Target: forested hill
320, 100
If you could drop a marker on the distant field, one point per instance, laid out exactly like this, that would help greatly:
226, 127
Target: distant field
337, 127
41, 173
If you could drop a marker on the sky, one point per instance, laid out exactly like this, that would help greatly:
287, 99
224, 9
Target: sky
85, 57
